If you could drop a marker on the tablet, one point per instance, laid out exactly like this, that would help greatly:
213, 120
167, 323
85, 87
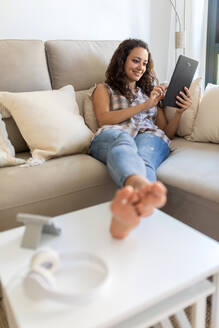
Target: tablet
182, 77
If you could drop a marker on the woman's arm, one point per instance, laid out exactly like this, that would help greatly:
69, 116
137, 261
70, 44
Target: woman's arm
170, 128
101, 102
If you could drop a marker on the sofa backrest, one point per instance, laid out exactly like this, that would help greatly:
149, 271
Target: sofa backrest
32, 65
79, 63
23, 66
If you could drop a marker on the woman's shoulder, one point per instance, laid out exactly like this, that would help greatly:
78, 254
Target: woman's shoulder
103, 86
102, 90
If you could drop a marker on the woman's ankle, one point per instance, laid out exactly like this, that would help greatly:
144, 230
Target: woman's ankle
136, 181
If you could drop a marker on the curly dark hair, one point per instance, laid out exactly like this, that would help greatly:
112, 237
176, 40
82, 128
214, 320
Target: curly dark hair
115, 74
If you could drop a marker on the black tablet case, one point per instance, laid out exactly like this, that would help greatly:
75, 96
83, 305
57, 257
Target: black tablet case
182, 77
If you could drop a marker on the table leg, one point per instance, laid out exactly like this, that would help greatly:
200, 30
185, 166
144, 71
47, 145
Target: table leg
215, 303
166, 323
182, 319
199, 313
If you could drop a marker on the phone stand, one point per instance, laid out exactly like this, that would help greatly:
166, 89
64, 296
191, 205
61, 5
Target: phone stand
35, 225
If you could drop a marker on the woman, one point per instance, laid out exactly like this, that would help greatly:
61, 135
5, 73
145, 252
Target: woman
134, 136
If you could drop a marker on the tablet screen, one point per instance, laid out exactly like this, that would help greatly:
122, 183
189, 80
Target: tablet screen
182, 77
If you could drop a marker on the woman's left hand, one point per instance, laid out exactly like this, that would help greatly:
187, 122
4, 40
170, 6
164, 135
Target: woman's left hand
184, 101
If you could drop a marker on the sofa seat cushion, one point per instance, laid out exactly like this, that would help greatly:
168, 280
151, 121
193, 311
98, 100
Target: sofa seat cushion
192, 167
20, 185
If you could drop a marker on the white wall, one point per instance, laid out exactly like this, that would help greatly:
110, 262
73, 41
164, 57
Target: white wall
160, 17
86, 19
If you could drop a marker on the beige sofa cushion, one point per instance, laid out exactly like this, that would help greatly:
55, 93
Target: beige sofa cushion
206, 127
58, 177
49, 122
14, 134
23, 66
58, 186
80, 98
79, 63
192, 167
188, 117
89, 113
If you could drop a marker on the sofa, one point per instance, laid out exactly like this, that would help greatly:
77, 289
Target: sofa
71, 181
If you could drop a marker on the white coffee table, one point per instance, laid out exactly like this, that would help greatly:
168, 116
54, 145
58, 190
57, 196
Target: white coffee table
158, 270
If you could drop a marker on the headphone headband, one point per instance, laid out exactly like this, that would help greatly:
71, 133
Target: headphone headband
83, 273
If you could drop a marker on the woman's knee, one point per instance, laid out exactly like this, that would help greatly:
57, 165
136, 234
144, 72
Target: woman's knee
124, 140
111, 142
123, 153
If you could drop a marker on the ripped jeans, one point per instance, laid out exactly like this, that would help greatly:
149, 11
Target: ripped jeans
126, 156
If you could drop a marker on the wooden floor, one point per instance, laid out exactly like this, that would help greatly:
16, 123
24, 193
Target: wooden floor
3, 320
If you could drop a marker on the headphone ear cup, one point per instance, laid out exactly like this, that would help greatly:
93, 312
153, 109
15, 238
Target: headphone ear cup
46, 259
40, 280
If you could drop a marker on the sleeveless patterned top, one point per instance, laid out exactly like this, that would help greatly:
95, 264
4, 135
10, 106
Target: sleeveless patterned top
141, 122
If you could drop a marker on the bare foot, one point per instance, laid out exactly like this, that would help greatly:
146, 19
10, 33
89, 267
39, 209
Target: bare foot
151, 196
130, 205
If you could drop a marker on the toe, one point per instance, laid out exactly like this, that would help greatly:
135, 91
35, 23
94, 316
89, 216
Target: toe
158, 188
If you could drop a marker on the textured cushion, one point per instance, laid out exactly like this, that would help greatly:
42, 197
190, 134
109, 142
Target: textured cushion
89, 113
49, 122
79, 63
206, 127
14, 134
7, 152
188, 117
80, 98
192, 167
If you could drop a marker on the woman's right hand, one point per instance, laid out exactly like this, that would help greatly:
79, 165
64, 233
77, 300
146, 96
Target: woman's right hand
157, 94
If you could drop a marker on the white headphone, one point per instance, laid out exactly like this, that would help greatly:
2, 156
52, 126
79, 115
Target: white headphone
40, 281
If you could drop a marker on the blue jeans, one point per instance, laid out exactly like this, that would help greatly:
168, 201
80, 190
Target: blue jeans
125, 155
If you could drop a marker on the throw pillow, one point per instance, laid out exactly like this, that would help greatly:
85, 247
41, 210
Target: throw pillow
7, 152
89, 113
188, 117
49, 121
206, 127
